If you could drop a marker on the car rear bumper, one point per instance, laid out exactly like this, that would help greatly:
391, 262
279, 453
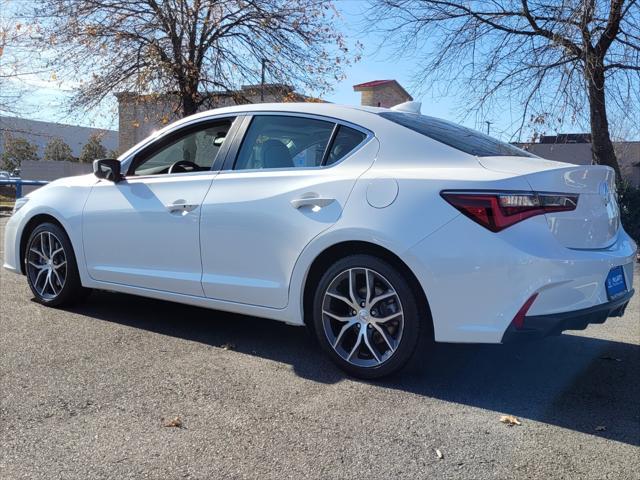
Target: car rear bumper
477, 281
538, 326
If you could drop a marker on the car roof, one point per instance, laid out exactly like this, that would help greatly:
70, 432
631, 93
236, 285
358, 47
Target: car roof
348, 113
294, 106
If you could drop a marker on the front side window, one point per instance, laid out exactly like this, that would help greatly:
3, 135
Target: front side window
192, 150
456, 136
274, 141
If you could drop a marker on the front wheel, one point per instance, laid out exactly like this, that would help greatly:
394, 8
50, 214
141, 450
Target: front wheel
366, 316
50, 264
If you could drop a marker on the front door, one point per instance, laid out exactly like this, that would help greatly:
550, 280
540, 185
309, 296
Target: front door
144, 230
290, 181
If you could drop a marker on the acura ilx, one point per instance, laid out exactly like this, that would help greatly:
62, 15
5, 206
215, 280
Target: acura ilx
371, 226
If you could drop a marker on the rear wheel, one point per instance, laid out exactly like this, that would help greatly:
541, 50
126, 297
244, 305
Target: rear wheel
366, 316
50, 264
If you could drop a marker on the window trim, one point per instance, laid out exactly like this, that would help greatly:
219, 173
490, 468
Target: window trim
329, 145
232, 155
158, 143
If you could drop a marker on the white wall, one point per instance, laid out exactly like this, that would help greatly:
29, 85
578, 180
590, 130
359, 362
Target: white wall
40, 133
41, 170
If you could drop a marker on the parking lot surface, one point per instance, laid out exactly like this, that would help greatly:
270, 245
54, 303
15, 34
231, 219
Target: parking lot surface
88, 393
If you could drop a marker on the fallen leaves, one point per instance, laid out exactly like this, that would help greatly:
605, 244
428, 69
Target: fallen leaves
175, 422
510, 420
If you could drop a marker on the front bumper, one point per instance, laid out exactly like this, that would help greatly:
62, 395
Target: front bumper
538, 326
12, 245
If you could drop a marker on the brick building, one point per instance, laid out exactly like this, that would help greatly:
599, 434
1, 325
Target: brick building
382, 93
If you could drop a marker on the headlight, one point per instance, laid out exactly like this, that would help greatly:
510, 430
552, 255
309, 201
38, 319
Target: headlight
20, 202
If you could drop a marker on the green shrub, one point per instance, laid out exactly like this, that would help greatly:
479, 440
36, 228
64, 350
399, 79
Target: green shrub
93, 149
16, 149
629, 198
58, 151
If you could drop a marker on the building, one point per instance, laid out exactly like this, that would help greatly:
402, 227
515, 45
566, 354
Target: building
382, 93
566, 138
40, 133
576, 148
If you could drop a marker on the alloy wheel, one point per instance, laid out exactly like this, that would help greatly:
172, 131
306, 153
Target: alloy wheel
47, 265
362, 317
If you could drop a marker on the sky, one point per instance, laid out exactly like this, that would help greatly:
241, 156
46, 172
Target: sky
47, 96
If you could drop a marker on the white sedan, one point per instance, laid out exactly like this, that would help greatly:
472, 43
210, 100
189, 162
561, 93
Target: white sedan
371, 226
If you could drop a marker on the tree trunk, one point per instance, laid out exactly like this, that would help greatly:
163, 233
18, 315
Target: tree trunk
601, 146
189, 106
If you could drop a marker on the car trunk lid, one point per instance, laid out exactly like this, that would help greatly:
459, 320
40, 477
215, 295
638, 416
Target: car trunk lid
595, 222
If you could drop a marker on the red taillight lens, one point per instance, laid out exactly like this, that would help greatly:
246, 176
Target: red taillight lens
499, 210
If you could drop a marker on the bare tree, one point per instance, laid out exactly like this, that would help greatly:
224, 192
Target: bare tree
20, 64
190, 47
554, 56
10, 91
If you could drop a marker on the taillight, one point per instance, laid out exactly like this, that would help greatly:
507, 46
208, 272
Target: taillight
518, 320
499, 210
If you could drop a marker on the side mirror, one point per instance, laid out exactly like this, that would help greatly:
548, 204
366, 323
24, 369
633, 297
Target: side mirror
107, 168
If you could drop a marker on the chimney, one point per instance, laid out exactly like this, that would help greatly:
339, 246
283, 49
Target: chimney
382, 93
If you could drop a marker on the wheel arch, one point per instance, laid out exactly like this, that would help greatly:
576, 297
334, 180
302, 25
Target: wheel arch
343, 249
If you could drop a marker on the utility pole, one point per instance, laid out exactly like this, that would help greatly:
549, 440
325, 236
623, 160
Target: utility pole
488, 126
264, 65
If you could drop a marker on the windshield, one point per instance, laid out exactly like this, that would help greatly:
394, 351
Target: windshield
460, 138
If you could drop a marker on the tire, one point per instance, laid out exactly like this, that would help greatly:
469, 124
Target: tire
51, 268
339, 326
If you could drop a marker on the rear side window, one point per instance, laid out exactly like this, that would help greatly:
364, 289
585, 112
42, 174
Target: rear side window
287, 141
284, 142
460, 138
344, 142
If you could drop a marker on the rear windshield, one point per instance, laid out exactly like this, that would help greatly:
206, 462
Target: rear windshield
460, 138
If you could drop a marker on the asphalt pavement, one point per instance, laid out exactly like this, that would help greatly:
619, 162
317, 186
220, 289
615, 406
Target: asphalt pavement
127, 387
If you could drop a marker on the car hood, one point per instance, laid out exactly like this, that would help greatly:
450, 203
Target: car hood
75, 181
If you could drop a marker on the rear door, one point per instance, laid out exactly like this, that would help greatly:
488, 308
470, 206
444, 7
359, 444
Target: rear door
288, 182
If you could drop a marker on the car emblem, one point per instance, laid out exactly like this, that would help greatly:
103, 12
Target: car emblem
603, 189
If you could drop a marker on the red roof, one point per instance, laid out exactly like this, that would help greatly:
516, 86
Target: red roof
373, 83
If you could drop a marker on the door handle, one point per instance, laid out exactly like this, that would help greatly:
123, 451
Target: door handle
182, 208
318, 202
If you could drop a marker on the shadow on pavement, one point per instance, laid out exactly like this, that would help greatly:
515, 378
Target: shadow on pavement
578, 383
